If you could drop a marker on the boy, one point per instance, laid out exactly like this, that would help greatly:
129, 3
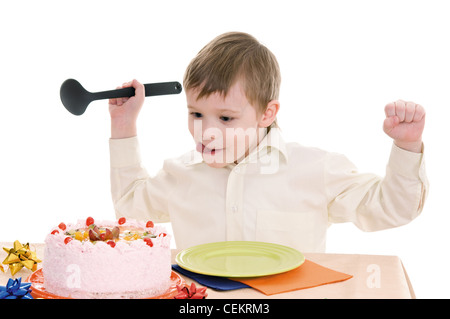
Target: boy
244, 182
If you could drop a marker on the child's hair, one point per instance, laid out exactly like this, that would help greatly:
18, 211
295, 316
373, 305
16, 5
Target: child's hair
235, 56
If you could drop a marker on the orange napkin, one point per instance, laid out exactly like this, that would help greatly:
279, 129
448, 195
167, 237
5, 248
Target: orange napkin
307, 275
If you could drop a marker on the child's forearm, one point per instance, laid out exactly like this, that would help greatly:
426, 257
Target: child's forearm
415, 147
122, 129
124, 112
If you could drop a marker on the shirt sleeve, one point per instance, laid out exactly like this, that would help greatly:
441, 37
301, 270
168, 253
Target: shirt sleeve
374, 203
134, 193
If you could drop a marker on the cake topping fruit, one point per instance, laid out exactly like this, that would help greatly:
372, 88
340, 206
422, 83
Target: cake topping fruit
90, 232
108, 234
93, 235
148, 241
79, 236
115, 232
89, 221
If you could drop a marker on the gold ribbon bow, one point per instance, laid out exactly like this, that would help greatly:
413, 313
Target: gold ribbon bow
20, 256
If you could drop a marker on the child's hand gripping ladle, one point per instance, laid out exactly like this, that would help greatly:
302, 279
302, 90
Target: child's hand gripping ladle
76, 99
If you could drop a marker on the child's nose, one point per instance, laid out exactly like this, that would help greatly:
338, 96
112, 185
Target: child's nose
211, 133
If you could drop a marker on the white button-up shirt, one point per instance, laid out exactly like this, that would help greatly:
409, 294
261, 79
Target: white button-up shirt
282, 193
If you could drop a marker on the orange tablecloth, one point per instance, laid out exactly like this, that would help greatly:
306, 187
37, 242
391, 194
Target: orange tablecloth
374, 276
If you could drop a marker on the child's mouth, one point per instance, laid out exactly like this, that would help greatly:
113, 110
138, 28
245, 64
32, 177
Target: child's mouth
205, 150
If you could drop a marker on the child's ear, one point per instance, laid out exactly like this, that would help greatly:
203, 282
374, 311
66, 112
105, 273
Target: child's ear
270, 114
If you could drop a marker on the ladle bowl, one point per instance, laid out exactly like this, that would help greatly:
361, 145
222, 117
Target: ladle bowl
76, 98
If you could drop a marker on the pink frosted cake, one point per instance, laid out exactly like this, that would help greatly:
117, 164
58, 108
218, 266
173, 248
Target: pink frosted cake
106, 259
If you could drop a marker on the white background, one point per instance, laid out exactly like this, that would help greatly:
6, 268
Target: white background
341, 62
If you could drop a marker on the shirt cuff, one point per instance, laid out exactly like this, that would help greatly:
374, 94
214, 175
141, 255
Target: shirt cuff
406, 163
124, 152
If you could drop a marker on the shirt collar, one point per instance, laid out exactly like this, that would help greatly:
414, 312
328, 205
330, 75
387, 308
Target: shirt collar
272, 141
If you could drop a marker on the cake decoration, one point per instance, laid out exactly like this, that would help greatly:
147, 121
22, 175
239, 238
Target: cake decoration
93, 233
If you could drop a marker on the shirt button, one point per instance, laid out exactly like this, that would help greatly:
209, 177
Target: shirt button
234, 208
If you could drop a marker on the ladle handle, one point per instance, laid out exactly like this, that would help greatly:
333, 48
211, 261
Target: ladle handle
162, 88
151, 89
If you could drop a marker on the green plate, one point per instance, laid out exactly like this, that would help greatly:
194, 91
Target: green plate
239, 259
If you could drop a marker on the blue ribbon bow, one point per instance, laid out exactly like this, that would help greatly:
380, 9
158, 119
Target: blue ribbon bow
15, 289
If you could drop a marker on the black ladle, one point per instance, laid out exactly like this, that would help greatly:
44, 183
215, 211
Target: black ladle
76, 99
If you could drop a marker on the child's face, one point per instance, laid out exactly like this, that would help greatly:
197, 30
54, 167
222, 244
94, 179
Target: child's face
226, 129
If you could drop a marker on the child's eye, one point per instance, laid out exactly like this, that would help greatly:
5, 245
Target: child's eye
196, 115
226, 118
